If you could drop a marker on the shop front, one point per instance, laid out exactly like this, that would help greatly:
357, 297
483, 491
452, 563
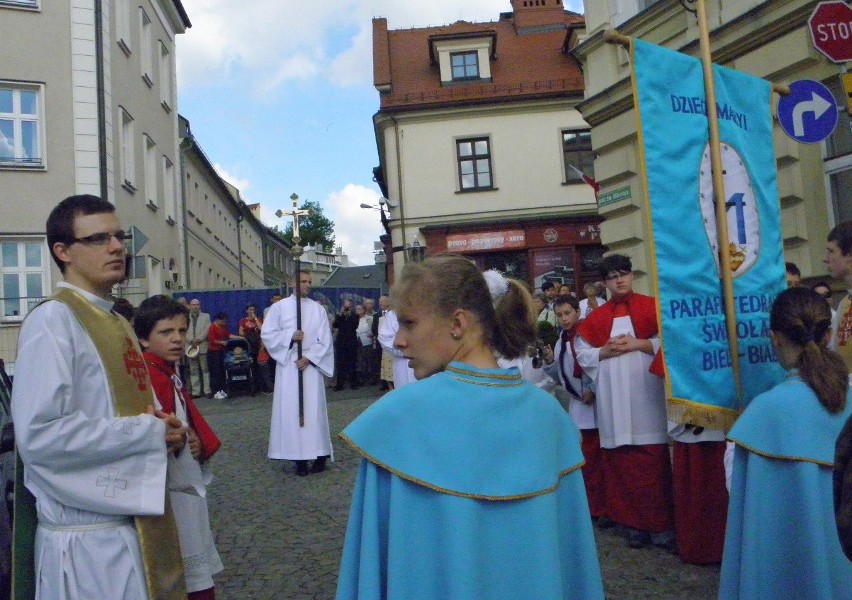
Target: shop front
565, 251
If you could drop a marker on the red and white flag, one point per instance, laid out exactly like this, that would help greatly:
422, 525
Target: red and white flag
590, 180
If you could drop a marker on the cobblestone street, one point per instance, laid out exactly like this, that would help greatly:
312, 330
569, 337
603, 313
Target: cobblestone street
280, 535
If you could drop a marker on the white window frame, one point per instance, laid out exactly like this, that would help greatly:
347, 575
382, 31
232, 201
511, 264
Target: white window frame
165, 77
836, 164
122, 26
25, 4
146, 53
18, 119
151, 190
22, 271
169, 197
127, 154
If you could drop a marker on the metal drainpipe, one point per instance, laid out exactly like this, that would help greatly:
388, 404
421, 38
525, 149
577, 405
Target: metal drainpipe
240, 245
184, 146
101, 98
399, 188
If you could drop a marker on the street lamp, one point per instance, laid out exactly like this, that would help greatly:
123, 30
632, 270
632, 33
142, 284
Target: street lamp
381, 209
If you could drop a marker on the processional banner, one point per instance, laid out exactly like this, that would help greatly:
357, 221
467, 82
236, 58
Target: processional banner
668, 90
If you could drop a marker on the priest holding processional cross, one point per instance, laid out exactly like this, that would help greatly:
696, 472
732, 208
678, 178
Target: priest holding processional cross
296, 334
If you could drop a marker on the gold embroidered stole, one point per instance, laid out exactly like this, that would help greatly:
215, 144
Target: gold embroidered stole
844, 330
130, 387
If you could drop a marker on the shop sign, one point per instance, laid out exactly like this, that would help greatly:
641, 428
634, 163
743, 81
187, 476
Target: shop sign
491, 240
614, 196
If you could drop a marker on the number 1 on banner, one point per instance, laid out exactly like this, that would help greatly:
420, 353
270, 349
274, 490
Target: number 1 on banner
743, 224
737, 201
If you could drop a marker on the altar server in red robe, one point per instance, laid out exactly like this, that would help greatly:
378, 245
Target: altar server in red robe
618, 346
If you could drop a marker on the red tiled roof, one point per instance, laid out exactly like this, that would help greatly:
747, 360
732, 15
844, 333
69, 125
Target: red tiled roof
526, 65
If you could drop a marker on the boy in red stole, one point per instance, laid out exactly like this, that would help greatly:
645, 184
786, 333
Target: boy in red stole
563, 367
618, 347
161, 324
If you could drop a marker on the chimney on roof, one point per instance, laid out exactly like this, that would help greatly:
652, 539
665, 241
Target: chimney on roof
537, 13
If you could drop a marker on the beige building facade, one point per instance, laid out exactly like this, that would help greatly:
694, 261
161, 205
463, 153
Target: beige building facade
88, 104
223, 248
768, 39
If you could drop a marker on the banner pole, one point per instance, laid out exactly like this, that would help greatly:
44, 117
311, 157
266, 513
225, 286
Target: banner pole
719, 194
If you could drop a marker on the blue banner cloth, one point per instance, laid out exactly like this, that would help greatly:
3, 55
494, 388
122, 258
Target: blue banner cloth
671, 105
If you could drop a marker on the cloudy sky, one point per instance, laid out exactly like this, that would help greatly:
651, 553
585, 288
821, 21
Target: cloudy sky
279, 95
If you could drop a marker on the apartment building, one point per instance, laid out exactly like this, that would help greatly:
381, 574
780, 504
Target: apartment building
482, 149
87, 105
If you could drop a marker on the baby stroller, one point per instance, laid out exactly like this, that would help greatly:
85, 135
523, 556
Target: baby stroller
238, 366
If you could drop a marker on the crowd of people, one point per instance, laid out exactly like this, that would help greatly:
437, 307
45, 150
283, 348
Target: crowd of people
474, 481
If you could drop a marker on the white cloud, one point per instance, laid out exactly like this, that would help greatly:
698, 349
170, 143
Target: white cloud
270, 42
238, 182
354, 66
355, 228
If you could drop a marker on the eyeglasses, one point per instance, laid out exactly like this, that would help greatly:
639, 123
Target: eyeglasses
618, 275
102, 239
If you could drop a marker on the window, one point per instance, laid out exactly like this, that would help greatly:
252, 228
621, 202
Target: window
151, 172
122, 25
20, 3
127, 158
24, 273
474, 164
838, 157
145, 50
169, 189
577, 153
465, 65
20, 131
165, 77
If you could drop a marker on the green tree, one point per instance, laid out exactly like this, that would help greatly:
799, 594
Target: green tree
315, 229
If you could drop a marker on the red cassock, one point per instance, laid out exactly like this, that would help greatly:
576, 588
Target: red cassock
701, 501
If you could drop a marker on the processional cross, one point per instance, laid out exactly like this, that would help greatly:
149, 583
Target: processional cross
296, 251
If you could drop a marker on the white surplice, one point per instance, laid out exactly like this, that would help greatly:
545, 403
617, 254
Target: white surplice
89, 470
584, 415
287, 440
584, 306
402, 373
630, 402
187, 482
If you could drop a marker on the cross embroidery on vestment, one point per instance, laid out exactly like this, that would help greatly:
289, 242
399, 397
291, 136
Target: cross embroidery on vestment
110, 482
125, 425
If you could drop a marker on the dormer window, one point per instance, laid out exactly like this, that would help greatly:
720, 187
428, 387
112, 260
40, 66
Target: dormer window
465, 65
465, 57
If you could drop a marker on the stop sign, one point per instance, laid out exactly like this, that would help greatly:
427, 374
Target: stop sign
831, 30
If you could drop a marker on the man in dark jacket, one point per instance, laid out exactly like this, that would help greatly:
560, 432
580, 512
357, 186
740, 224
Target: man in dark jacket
346, 346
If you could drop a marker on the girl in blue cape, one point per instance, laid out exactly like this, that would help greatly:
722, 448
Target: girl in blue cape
781, 540
470, 484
